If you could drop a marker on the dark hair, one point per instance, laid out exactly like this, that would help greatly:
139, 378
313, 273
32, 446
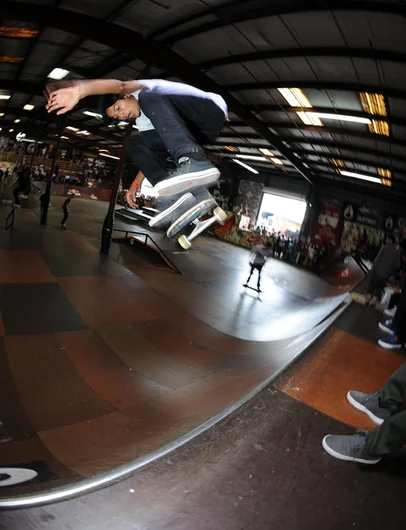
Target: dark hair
391, 237
105, 102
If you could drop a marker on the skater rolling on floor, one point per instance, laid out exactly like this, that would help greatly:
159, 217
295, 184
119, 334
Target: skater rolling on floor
259, 255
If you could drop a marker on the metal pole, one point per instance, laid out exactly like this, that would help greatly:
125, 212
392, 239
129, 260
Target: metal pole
108, 225
47, 199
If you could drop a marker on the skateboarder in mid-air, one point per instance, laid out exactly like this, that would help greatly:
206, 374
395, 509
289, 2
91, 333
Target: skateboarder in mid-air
174, 120
259, 255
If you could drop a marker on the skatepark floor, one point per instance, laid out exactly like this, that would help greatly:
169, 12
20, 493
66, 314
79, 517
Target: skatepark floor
261, 467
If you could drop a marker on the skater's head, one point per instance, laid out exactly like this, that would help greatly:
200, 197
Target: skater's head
115, 108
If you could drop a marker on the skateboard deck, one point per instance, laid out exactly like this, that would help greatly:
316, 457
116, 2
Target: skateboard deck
252, 288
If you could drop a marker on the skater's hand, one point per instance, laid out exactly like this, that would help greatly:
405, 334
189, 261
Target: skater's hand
62, 97
131, 196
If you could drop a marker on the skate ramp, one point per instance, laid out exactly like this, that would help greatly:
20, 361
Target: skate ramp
103, 371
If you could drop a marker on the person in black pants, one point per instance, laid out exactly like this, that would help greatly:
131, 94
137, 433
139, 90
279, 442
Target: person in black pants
22, 186
65, 209
174, 121
386, 263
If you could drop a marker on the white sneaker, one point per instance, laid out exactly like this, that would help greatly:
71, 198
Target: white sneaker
390, 312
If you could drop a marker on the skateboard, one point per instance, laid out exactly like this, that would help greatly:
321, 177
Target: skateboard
193, 216
252, 288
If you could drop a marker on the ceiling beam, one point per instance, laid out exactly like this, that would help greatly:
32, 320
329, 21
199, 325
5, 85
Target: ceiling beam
351, 53
330, 144
345, 158
245, 10
147, 50
328, 130
318, 85
392, 120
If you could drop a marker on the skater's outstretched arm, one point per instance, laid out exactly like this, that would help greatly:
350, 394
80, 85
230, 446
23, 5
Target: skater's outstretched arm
62, 96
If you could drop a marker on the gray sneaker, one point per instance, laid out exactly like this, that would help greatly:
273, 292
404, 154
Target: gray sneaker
189, 175
172, 209
348, 447
369, 403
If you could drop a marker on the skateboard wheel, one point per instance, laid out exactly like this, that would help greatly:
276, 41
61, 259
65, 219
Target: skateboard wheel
184, 242
220, 215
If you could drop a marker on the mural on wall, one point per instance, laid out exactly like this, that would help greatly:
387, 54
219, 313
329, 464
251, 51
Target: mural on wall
327, 229
249, 199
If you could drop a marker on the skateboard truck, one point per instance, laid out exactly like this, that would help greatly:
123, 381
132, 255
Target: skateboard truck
219, 216
192, 217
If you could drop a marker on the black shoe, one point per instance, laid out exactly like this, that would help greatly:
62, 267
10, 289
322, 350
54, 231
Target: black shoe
190, 174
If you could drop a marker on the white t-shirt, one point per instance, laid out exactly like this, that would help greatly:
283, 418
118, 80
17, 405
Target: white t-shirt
170, 88
260, 255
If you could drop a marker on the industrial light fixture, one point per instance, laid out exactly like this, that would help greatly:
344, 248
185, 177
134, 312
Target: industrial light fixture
266, 152
58, 73
340, 117
10, 60
386, 175
74, 129
277, 161
18, 33
64, 138
5, 96
17, 120
84, 132
379, 127
11, 130
1, 114
373, 103
28, 107
359, 176
230, 148
245, 165
93, 114
252, 157
337, 163
310, 118
109, 156
295, 97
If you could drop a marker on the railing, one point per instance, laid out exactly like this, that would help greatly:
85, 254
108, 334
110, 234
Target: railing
10, 219
145, 242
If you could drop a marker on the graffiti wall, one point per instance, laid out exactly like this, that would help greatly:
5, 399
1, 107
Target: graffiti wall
249, 199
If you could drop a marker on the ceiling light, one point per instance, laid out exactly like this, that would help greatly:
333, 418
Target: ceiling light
84, 132
28, 107
21, 33
17, 120
11, 60
246, 166
340, 117
277, 161
1, 114
64, 138
309, 118
379, 127
252, 157
1, 129
266, 152
362, 177
337, 162
109, 156
93, 114
373, 103
74, 129
386, 175
231, 148
11, 130
295, 97
5, 96
58, 73
103, 150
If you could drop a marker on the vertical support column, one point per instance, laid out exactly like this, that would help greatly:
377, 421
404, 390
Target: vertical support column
108, 225
45, 204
